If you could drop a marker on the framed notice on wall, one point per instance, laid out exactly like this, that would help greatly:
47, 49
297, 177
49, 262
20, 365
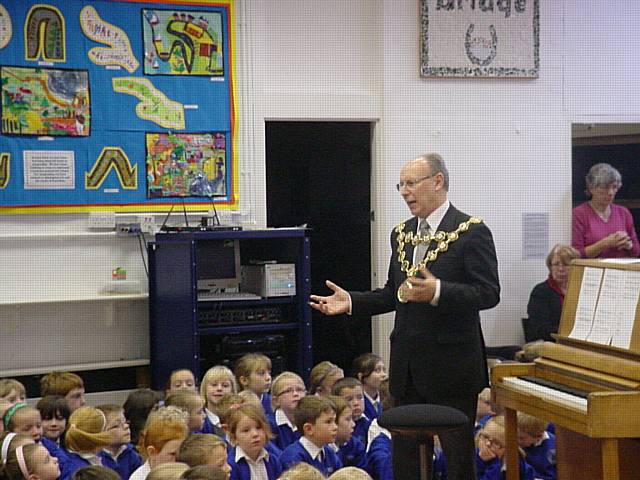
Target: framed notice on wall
123, 106
480, 38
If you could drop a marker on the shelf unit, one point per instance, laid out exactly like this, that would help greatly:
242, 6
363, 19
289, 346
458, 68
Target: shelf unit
180, 338
88, 298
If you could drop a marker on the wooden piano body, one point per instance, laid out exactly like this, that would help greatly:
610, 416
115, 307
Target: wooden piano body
596, 435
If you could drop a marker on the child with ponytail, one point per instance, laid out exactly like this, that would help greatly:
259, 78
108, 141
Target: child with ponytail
84, 440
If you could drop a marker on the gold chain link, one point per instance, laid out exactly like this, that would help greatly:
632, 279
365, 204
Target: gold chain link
443, 240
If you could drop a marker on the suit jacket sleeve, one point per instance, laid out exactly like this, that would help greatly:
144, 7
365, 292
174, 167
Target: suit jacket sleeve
381, 300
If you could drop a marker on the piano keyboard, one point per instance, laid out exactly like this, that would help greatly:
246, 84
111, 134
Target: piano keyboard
548, 393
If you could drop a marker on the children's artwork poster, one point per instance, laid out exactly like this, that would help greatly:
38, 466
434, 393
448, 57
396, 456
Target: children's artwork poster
186, 164
116, 105
182, 43
45, 101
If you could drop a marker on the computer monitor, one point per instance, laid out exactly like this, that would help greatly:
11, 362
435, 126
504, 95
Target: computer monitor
218, 264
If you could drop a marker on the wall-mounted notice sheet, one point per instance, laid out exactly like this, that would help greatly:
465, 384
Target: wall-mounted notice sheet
587, 300
627, 300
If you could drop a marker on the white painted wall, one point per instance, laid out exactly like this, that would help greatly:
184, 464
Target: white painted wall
506, 142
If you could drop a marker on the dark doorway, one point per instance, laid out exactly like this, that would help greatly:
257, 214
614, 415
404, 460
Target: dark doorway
318, 173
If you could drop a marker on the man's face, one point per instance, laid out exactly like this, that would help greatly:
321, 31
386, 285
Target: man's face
422, 198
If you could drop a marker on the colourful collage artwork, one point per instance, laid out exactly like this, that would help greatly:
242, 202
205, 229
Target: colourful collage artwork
45, 101
186, 164
182, 42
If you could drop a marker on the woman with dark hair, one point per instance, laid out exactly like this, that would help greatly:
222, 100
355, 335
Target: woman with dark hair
602, 229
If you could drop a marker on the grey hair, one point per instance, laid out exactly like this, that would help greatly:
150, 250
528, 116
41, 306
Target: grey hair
602, 175
436, 164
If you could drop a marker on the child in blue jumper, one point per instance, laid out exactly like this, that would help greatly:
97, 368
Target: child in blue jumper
350, 450
316, 418
490, 453
286, 391
539, 446
379, 448
120, 455
249, 432
216, 383
253, 372
84, 440
369, 369
351, 390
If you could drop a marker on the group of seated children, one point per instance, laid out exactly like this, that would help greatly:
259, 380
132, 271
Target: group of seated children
239, 425
536, 442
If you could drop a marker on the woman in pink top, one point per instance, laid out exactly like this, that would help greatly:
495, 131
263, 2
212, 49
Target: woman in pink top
602, 229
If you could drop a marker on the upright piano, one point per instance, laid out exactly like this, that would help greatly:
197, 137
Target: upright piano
589, 388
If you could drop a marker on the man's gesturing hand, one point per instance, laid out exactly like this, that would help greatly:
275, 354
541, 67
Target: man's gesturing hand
335, 304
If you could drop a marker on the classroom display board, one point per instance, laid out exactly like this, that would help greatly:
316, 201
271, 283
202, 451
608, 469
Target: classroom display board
116, 105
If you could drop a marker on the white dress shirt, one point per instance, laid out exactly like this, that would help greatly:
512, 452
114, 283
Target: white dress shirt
258, 469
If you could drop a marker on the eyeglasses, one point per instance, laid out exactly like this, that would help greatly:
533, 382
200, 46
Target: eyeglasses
291, 390
490, 441
411, 184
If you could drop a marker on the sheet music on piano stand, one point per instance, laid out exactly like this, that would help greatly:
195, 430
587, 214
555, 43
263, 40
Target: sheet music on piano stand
587, 300
606, 305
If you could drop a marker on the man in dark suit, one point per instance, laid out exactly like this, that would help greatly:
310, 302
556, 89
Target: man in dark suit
437, 349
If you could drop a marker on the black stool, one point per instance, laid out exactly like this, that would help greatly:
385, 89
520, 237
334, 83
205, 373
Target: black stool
422, 421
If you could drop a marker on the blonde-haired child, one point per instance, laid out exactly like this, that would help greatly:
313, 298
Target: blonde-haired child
249, 432
253, 372
165, 430
323, 376
490, 452
181, 379
193, 404
12, 391
23, 418
539, 445
217, 382
350, 449
302, 471
370, 370
204, 449
286, 391
350, 473
31, 462
120, 455
168, 471
84, 440
66, 384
